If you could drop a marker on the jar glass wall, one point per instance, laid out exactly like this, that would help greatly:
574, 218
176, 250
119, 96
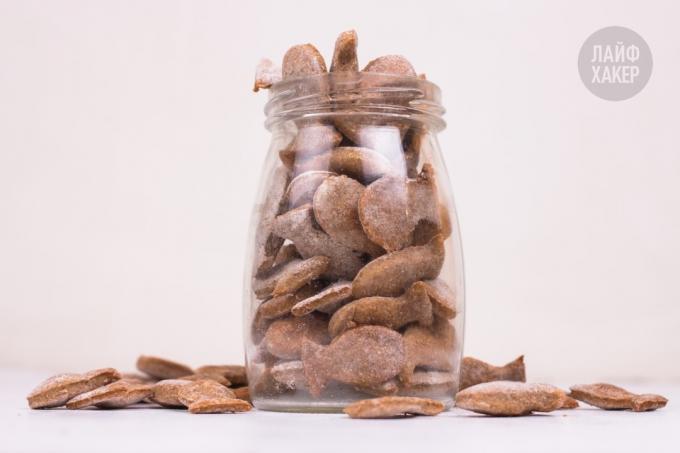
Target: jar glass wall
353, 283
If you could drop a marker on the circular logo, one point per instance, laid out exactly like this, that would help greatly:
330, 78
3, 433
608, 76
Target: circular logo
615, 63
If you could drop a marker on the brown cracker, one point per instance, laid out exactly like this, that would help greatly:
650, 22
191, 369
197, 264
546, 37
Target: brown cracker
414, 143
328, 298
431, 348
335, 206
165, 392
236, 374
314, 138
200, 390
392, 273
291, 276
137, 378
391, 312
375, 132
363, 164
391, 64
219, 406
430, 382
393, 406
365, 356
384, 213
290, 374
569, 403
301, 275
474, 371
311, 139
611, 397
284, 337
391, 208
302, 188
161, 368
510, 398
298, 226
425, 229
387, 388
302, 60
286, 254
116, 395
345, 53
242, 393
220, 379
277, 307
443, 298
266, 75
267, 245
57, 390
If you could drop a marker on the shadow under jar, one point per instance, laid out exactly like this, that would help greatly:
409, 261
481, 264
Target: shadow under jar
354, 274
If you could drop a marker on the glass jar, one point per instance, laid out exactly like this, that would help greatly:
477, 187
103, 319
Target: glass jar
354, 276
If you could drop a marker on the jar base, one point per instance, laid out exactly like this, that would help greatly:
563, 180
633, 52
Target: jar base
291, 405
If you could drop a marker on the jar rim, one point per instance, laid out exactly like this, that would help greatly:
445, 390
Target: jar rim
331, 94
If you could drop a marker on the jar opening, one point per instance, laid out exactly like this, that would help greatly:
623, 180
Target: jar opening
321, 96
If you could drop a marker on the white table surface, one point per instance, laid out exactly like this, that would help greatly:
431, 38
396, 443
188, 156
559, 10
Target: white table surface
457, 431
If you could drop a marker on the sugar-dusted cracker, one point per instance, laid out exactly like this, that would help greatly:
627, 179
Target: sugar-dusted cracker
161, 368
508, 398
199, 390
345, 53
266, 75
286, 254
314, 138
220, 379
236, 374
325, 300
278, 307
387, 388
300, 275
302, 188
428, 347
219, 406
298, 225
393, 273
392, 312
363, 164
611, 397
391, 208
267, 245
365, 356
393, 406
474, 371
290, 374
335, 204
137, 378
166, 392
284, 337
291, 276
443, 298
57, 390
302, 60
414, 145
391, 64
116, 395
426, 229
429, 382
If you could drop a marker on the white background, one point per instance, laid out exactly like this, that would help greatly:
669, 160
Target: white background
131, 145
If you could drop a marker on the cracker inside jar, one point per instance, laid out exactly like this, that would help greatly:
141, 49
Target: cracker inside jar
356, 282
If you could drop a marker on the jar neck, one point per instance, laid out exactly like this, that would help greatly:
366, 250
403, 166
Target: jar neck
381, 96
